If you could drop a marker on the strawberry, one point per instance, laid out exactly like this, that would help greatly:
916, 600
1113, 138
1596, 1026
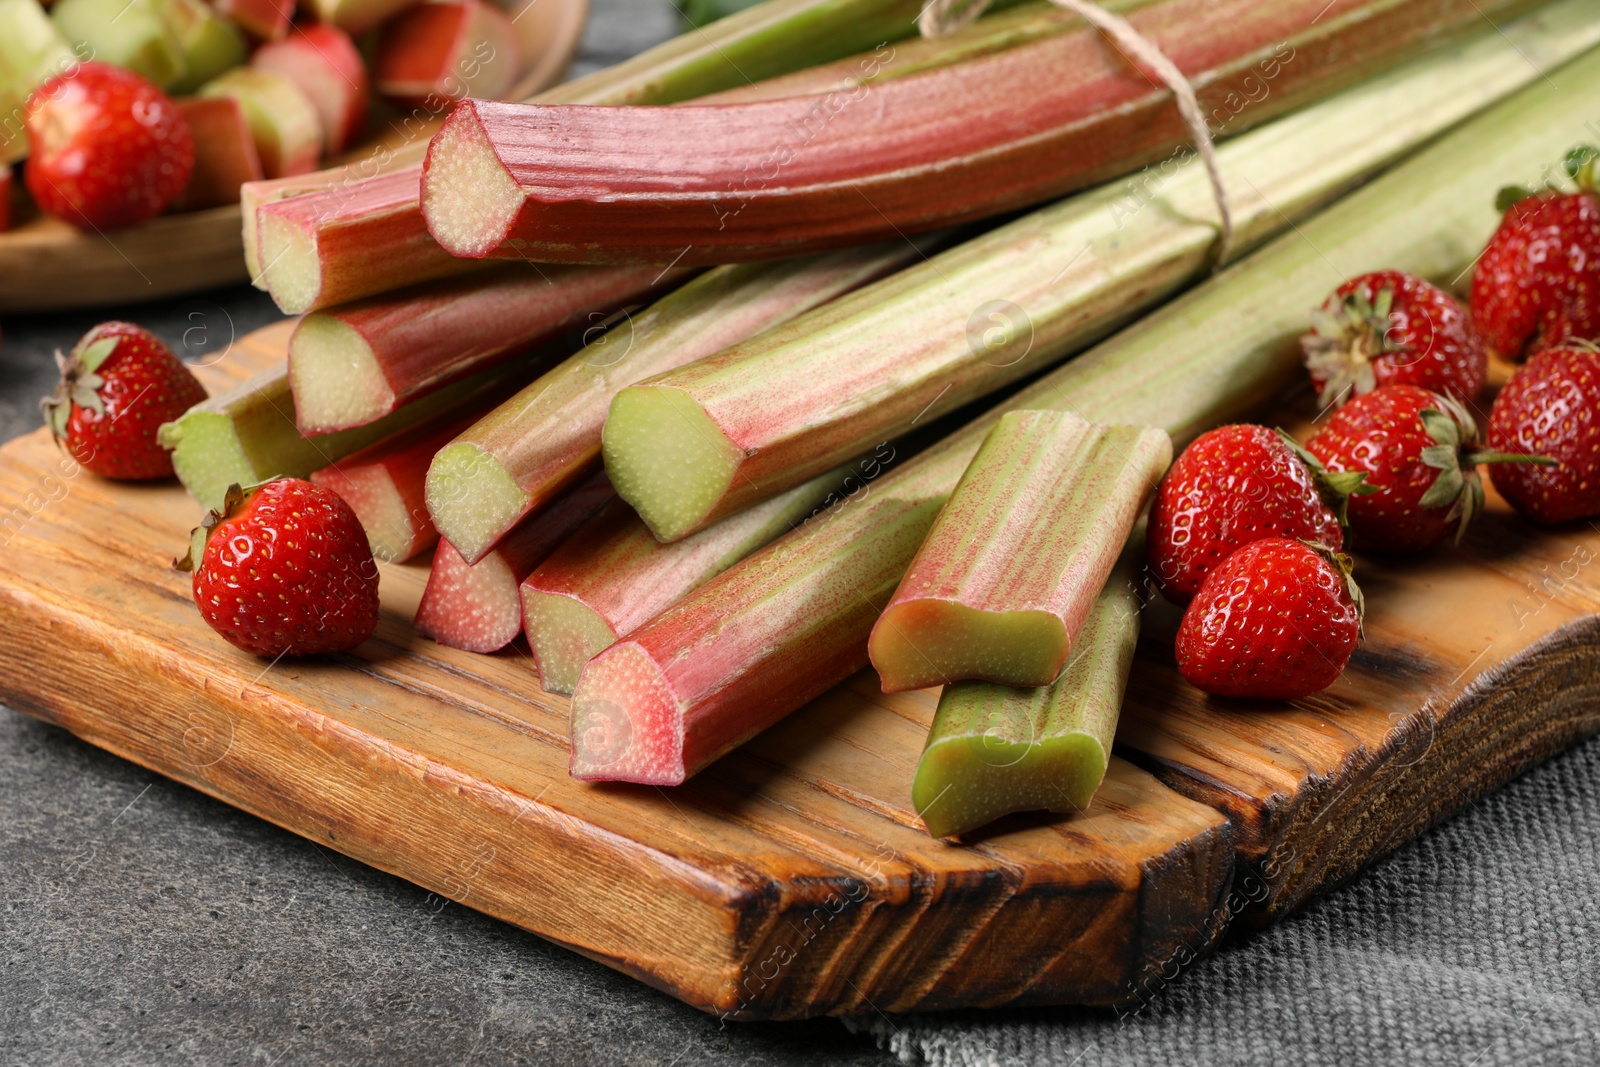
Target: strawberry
1537, 283
109, 148
1234, 485
1419, 453
1276, 620
117, 388
1550, 407
1391, 327
285, 568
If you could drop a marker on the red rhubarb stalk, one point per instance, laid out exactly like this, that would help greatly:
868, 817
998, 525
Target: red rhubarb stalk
477, 606
347, 240
225, 155
721, 183
547, 436
353, 364
1019, 555
612, 576
767, 635
384, 482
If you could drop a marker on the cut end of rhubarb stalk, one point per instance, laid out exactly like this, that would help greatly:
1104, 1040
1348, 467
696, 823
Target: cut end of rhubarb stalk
475, 607
667, 458
923, 642
372, 495
564, 634
473, 523
290, 268
468, 198
207, 455
968, 781
626, 726
336, 381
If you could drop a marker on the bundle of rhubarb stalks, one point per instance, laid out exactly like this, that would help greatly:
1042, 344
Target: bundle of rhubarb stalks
695, 389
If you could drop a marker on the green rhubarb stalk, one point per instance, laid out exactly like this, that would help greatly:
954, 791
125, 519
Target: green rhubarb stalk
1019, 555
995, 749
769, 634
247, 435
612, 576
126, 33
691, 446
541, 440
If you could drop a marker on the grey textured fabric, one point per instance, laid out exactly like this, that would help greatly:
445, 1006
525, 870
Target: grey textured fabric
1476, 944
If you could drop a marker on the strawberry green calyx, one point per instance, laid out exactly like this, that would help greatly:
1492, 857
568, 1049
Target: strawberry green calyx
80, 384
232, 500
1334, 487
1582, 165
1458, 485
1342, 344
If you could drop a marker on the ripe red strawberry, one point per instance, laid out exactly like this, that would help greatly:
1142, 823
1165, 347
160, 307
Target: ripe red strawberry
1231, 486
285, 569
117, 388
1537, 283
1550, 408
109, 148
1419, 451
1389, 328
1276, 620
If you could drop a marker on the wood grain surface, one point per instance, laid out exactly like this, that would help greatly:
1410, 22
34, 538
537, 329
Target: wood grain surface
47, 265
792, 877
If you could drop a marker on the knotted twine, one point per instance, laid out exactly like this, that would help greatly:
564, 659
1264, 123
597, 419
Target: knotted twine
940, 17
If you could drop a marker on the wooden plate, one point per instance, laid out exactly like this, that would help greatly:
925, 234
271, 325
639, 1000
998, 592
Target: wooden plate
47, 265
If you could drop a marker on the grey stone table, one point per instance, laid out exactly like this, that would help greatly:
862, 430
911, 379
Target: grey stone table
143, 923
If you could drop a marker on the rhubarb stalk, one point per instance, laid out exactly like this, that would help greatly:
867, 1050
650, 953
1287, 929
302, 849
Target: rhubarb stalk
995, 749
727, 182
383, 483
767, 635
548, 435
781, 408
356, 363
247, 435
348, 238
612, 576
477, 606
1018, 556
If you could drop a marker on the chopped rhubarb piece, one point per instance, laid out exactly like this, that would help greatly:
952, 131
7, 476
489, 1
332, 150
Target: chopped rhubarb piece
383, 483
323, 62
355, 17
548, 435
1019, 555
225, 154
995, 749
358, 362
5, 197
130, 34
612, 576
32, 49
266, 20
210, 43
287, 131
447, 50
247, 435
476, 606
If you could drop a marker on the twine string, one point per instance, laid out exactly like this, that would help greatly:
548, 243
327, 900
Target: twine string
941, 17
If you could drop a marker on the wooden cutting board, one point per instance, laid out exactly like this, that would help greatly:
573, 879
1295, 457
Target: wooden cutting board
792, 878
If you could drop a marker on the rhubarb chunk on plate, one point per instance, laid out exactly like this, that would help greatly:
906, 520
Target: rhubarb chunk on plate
1015, 561
995, 749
